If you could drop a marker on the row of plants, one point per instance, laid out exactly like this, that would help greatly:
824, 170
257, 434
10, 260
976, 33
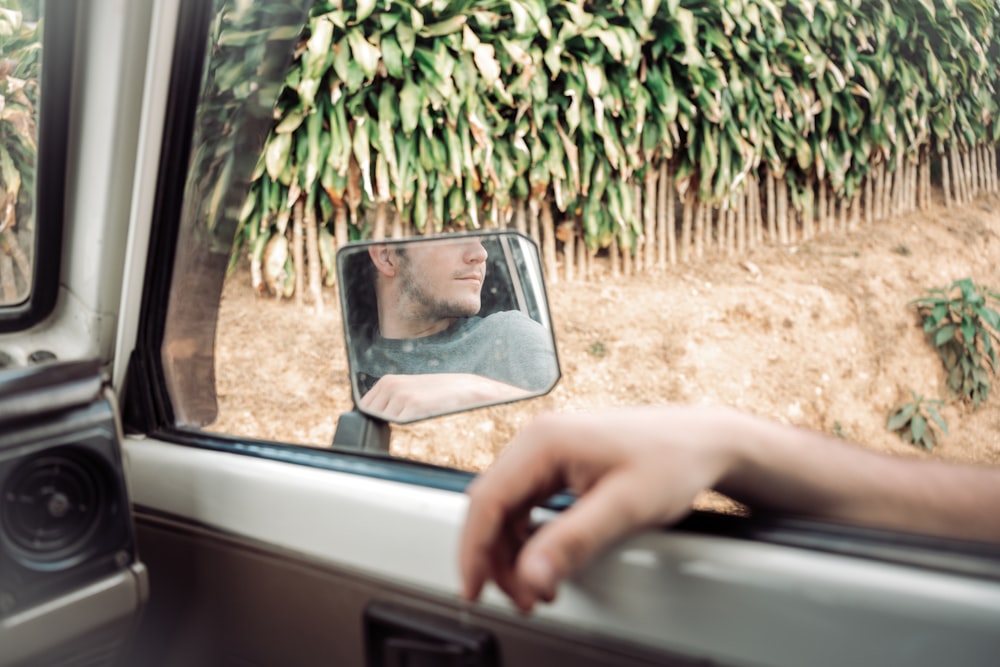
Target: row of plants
655, 129
963, 325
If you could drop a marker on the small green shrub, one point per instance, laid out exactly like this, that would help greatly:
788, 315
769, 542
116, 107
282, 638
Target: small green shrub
917, 421
965, 330
598, 349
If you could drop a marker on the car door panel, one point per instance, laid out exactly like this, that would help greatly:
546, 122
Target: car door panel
264, 554
667, 597
71, 583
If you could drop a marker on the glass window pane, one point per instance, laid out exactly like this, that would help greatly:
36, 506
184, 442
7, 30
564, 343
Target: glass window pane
818, 330
20, 69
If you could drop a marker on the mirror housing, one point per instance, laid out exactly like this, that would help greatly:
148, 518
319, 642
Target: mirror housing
445, 324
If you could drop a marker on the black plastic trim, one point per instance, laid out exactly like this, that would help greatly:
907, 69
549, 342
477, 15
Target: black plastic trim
146, 405
58, 46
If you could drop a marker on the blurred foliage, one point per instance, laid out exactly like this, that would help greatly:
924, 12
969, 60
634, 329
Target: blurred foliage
965, 330
918, 422
451, 113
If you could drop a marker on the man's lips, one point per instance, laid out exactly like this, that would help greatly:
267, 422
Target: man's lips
471, 276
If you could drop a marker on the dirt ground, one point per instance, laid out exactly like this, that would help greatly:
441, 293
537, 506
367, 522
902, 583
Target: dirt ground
819, 334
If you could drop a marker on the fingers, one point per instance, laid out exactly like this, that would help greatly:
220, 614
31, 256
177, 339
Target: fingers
563, 545
394, 397
497, 521
627, 476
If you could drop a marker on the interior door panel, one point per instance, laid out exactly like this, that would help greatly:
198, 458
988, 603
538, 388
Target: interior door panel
274, 563
71, 584
261, 554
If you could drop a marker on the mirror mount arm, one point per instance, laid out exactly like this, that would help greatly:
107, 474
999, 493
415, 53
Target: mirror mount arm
356, 430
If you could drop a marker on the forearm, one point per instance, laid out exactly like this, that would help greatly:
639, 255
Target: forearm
782, 468
480, 389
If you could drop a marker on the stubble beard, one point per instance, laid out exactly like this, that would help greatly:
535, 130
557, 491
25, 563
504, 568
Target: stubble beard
429, 305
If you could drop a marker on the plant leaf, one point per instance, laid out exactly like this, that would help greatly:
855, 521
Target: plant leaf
901, 417
944, 334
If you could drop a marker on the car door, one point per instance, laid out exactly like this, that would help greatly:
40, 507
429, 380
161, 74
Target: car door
269, 553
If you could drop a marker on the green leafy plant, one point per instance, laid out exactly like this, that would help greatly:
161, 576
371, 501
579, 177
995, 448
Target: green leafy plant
644, 128
917, 421
965, 329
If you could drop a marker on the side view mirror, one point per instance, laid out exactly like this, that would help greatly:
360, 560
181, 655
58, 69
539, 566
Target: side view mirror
445, 324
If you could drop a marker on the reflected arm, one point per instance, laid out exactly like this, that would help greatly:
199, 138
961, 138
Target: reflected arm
403, 398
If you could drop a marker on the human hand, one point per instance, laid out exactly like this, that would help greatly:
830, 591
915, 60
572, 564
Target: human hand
403, 398
631, 469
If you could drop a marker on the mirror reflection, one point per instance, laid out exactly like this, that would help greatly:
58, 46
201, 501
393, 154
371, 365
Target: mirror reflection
445, 324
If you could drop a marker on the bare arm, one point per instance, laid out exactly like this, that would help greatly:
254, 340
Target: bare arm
643, 467
408, 397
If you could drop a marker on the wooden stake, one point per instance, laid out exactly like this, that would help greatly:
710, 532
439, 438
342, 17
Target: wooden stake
781, 205
615, 257
890, 177
548, 242
533, 220
520, 216
808, 230
730, 224
879, 189
945, 181
824, 224
569, 250
974, 170
757, 226
699, 232
993, 169
637, 250
627, 259
649, 216
957, 175
665, 219
928, 185
772, 208
312, 254
686, 228
297, 258
869, 182
340, 233
671, 222
741, 221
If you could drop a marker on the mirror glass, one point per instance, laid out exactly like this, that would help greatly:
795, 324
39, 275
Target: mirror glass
444, 324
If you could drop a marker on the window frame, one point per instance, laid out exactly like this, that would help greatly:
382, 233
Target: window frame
148, 408
58, 50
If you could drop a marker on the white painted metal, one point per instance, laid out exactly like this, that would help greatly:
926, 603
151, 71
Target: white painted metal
154, 106
110, 63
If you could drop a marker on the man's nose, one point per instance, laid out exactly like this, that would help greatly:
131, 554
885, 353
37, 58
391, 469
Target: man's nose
475, 253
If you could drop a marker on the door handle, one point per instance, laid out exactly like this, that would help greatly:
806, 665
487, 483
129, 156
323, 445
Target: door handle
397, 636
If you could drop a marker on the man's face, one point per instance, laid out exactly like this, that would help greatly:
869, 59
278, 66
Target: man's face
443, 279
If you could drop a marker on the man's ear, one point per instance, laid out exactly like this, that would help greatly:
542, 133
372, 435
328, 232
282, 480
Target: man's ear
385, 259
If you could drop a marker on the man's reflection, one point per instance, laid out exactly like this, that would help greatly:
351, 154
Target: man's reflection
432, 353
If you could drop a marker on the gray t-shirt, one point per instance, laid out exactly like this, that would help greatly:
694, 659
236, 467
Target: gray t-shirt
507, 346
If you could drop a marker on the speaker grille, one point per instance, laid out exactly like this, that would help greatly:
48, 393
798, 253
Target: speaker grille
53, 503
